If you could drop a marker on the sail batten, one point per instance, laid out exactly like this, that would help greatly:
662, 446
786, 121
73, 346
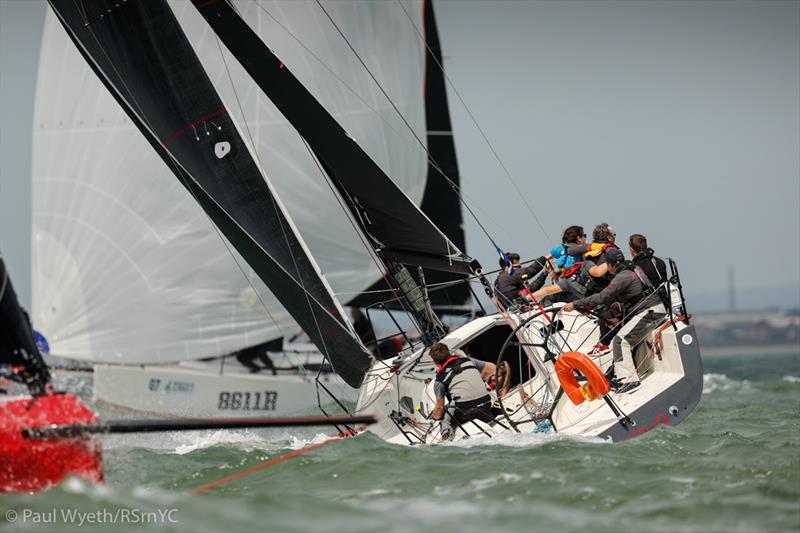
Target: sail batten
394, 224
142, 56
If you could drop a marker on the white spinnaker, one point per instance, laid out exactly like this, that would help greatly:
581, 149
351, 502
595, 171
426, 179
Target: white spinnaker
126, 267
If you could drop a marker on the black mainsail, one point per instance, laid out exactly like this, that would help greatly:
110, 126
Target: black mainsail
399, 232
397, 228
139, 51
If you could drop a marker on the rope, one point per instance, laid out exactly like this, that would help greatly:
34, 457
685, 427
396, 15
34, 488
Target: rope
271, 462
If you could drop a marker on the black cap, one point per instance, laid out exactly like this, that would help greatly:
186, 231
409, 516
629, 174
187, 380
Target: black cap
614, 256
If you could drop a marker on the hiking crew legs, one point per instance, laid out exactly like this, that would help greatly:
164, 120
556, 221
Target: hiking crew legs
631, 334
459, 413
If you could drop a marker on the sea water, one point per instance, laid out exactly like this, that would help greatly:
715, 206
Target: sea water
734, 465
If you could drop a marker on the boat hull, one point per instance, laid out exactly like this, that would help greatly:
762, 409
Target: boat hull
401, 394
34, 465
201, 391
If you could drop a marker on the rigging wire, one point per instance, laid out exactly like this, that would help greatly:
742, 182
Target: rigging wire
460, 194
431, 160
475, 121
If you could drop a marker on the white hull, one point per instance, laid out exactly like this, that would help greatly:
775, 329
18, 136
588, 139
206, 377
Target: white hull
402, 396
205, 390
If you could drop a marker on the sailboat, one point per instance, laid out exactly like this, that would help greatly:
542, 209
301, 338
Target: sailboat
143, 286
142, 56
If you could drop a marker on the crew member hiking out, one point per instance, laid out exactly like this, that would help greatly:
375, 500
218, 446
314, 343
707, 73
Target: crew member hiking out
654, 267
572, 277
632, 293
461, 381
594, 253
20, 359
511, 280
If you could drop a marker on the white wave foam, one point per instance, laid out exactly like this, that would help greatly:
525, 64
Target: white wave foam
522, 440
493, 481
241, 439
249, 441
791, 379
296, 442
720, 382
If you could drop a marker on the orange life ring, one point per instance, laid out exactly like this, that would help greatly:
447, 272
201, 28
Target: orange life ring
597, 385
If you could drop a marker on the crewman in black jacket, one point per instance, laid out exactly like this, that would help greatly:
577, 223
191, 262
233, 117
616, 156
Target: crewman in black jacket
631, 289
512, 279
654, 267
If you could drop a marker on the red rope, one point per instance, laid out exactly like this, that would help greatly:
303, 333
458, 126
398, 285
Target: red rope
529, 293
275, 461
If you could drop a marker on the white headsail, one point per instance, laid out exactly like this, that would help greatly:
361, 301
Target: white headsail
126, 266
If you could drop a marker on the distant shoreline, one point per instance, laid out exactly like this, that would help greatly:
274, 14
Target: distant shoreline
750, 349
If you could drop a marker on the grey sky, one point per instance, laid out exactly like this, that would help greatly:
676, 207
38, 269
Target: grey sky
679, 120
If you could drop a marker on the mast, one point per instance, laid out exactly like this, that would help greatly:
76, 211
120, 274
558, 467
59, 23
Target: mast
440, 201
139, 51
397, 230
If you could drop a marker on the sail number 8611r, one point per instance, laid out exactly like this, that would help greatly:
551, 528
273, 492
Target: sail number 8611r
247, 401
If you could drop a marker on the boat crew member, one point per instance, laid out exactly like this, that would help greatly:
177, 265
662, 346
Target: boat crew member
572, 277
654, 267
461, 381
20, 359
603, 238
511, 280
631, 291
248, 356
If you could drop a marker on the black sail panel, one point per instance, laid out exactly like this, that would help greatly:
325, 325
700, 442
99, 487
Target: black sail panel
384, 212
440, 201
141, 54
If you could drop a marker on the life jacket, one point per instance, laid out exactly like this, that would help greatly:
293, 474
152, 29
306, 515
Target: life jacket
568, 273
451, 368
598, 248
562, 257
580, 276
663, 293
647, 287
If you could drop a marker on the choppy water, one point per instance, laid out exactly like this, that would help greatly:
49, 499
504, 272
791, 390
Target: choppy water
733, 466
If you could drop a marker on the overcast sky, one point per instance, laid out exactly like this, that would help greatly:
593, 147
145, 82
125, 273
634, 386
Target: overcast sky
679, 120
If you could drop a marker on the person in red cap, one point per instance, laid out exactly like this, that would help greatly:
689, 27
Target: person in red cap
632, 293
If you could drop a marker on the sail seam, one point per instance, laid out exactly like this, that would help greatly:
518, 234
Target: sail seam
197, 122
275, 207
